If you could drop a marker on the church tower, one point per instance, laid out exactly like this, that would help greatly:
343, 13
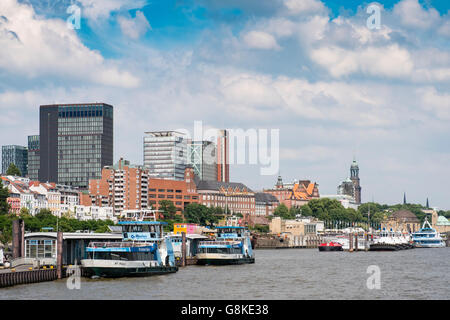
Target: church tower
354, 176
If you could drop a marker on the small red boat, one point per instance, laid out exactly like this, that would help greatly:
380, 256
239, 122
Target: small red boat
330, 246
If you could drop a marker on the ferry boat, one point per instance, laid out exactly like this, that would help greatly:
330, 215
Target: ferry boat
427, 237
232, 246
143, 252
391, 241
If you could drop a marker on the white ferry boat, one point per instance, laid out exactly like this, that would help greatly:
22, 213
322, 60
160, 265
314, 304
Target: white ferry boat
427, 237
143, 252
232, 246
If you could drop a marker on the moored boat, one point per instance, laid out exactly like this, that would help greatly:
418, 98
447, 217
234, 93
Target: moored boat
427, 237
232, 246
143, 252
330, 246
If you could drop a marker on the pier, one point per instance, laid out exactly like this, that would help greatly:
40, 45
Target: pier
22, 275
288, 242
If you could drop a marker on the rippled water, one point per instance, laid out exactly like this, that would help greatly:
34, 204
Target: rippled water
277, 274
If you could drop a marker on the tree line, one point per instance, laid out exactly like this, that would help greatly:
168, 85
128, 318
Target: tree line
326, 209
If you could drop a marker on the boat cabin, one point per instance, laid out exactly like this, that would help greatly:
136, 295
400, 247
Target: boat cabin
230, 232
220, 247
142, 230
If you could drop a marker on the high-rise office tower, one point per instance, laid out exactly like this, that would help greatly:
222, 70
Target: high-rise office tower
76, 142
33, 157
223, 166
202, 158
165, 154
16, 155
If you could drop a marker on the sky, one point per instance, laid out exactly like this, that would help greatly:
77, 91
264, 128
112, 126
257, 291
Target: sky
335, 89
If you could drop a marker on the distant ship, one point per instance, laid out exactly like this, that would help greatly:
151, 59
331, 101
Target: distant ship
232, 246
330, 246
427, 237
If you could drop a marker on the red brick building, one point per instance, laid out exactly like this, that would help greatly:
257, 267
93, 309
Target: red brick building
296, 193
180, 193
232, 195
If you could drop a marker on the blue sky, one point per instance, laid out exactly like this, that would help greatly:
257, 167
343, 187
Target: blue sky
312, 69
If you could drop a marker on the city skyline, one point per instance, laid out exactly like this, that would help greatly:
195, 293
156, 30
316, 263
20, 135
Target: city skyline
267, 64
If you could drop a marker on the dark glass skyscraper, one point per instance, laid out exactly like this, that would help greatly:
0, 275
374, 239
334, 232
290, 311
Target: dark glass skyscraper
76, 142
33, 157
17, 155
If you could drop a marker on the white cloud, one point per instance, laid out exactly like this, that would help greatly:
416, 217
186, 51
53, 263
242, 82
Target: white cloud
304, 6
390, 61
101, 9
134, 27
260, 40
437, 103
412, 14
47, 47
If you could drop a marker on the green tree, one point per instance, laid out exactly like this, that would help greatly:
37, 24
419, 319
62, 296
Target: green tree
168, 209
306, 210
24, 212
282, 211
200, 214
4, 194
13, 170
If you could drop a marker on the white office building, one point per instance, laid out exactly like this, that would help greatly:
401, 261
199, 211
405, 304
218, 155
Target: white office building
165, 154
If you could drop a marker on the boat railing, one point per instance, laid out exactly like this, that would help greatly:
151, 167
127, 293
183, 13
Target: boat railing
220, 243
117, 244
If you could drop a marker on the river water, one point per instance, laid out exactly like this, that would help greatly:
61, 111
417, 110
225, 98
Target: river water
277, 274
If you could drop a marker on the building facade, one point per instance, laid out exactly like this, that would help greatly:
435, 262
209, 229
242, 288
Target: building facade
232, 197
76, 142
180, 193
18, 155
296, 193
223, 161
401, 221
123, 186
265, 204
33, 157
165, 154
202, 158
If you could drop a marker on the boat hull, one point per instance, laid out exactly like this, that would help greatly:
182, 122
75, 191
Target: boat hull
441, 245
221, 262
330, 248
112, 269
223, 259
383, 247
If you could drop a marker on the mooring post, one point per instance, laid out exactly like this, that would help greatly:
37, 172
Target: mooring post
59, 254
22, 238
356, 242
183, 249
16, 250
350, 241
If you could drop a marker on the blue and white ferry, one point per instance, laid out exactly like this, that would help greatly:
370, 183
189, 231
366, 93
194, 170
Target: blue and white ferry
427, 237
232, 246
143, 252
